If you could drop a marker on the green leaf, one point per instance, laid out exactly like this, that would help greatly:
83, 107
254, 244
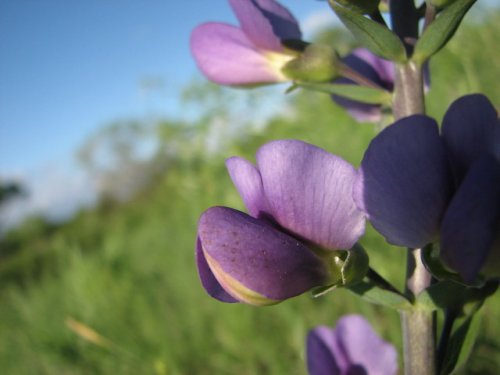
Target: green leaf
374, 36
446, 294
441, 30
432, 261
369, 291
461, 344
354, 92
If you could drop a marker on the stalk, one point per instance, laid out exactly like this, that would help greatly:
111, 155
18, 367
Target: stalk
417, 325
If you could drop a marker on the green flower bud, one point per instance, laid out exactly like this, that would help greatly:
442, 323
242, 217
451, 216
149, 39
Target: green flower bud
361, 6
317, 63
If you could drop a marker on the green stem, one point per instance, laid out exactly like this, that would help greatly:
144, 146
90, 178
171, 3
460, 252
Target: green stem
418, 325
379, 280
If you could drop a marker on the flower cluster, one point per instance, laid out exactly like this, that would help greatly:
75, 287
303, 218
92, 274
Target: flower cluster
418, 186
301, 206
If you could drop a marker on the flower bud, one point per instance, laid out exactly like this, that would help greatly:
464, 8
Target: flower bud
317, 63
360, 6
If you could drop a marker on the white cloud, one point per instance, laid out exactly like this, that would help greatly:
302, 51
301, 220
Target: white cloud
317, 21
55, 191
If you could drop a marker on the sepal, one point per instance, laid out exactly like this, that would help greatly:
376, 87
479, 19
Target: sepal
317, 63
441, 30
377, 38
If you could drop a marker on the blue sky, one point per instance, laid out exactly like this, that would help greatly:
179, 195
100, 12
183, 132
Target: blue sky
68, 67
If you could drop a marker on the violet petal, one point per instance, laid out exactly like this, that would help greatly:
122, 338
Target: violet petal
226, 56
472, 221
266, 23
404, 182
247, 180
261, 258
323, 354
374, 68
364, 349
208, 280
309, 192
468, 130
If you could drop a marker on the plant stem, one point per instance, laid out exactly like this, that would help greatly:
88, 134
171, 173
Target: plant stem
418, 325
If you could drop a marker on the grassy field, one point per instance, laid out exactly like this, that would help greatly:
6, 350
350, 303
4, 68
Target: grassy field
115, 290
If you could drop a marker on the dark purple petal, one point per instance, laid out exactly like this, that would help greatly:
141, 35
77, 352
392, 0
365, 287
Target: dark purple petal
472, 222
309, 192
247, 180
226, 56
365, 351
469, 128
404, 183
266, 23
259, 257
323, 355
207, 278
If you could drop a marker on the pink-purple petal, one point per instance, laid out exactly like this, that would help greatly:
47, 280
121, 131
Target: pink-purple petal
363, 348
323, 354
226, 56
207, 278
247, 180
309, 192
404, 182
258, 256
469, 128
266, 23
472, 222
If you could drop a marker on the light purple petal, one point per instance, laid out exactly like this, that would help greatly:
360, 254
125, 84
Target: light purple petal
404, 183
378, 70
227, 57
472, 221
309, 192
361, 112
260, 257
266, 23
323, 354
469, 128
363, 348
207, 278
247, 180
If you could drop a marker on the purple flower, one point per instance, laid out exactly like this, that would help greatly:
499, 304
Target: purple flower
418, 186
300, 201
251, 54
376, 69
351, 348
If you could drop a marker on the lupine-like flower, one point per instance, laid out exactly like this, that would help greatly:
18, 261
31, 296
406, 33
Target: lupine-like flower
418, 186
351, 348
251, 54
376, 69
300, 202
